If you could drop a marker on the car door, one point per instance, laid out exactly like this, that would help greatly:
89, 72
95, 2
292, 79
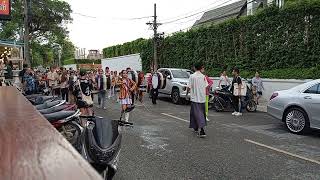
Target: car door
162, 91
168, 76
311, 98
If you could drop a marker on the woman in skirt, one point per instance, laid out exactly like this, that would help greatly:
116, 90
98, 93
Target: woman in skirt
127, 86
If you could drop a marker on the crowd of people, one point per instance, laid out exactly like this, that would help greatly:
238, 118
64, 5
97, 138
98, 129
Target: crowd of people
80, 86
199, 86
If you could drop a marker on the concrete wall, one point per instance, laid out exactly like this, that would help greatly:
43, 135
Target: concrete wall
272, 85
123, 62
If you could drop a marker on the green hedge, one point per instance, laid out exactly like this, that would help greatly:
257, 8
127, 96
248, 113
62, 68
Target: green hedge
281, 43
69, 61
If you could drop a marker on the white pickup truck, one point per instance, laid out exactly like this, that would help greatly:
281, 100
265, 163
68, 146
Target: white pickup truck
176, 83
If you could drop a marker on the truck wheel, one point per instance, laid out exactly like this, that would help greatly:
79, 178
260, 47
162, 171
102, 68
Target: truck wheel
175, 96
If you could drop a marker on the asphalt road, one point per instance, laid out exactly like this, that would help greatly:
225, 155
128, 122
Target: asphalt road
254, 146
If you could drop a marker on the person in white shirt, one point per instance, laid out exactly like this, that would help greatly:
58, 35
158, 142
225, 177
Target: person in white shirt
53, 78
224, 80
197, 87
258, 85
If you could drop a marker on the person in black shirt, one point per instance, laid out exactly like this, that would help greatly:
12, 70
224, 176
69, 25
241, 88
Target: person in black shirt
236, 99
22, 72
83, 88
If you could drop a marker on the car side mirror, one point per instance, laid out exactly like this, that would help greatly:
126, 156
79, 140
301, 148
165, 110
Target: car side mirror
169, 77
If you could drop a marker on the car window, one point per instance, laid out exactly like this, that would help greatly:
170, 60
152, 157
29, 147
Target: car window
166, 73
315, 89
180, 74
189, 72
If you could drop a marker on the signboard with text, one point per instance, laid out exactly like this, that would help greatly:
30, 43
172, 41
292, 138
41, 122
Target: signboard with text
5, 9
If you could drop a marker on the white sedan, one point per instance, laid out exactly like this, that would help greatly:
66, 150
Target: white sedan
298, 108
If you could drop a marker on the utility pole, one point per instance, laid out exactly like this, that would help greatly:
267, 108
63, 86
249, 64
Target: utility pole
154, 25
26, 33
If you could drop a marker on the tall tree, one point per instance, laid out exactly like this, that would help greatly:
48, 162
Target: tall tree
48, 20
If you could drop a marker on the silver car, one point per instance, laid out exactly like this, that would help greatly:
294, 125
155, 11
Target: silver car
298, 108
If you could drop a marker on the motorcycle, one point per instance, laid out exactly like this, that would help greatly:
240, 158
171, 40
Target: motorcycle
62, 116
39, 100
100, 143
98, 140
66, 122
222, 100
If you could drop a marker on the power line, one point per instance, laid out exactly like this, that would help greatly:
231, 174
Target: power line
180, 23
124, 19
168, 22
87, 16
145, 17
185, 14
218, 17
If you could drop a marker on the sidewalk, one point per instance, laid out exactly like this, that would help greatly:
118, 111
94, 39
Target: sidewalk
262, 107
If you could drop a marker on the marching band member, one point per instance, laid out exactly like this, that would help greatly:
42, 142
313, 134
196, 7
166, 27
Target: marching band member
127, 87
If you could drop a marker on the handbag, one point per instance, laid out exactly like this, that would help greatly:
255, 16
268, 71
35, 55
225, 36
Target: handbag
243, 88
87, 99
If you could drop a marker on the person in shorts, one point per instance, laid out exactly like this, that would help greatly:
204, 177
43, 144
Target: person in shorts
127, 86
258, 84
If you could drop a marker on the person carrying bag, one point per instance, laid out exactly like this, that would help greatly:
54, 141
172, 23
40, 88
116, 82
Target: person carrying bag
83, 90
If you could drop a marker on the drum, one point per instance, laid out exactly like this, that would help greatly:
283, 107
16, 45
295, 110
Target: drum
155, 81
143, 88
133, 75
158, 81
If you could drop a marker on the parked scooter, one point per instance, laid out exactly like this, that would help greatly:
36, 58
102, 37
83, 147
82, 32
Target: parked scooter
222, 100
66, 122
64, 117
100, 143
38, 99
98, 140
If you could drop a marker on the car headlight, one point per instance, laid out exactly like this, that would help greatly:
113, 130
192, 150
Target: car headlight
184, 83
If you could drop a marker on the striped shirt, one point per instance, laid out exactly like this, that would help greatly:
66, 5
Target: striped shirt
124, 88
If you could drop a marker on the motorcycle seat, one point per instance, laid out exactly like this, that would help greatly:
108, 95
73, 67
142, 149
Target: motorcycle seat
47, 105
43, 99
53, 117
52, 109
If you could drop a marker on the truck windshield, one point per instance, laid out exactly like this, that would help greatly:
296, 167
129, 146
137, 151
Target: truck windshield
180, 74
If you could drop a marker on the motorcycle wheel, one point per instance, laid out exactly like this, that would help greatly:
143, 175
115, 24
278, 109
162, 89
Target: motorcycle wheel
251, 106
103, 170
217, 105
71, 132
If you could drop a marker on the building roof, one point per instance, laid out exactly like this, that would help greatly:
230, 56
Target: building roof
222, 13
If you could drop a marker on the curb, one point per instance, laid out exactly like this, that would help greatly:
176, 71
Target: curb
262, 108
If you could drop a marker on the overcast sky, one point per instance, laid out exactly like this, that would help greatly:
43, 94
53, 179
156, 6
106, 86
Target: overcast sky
101, 23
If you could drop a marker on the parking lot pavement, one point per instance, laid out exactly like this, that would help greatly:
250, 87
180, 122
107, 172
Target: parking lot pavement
254, 146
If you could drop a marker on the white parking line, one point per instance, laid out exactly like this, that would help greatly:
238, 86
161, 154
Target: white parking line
283, 152
175, 117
